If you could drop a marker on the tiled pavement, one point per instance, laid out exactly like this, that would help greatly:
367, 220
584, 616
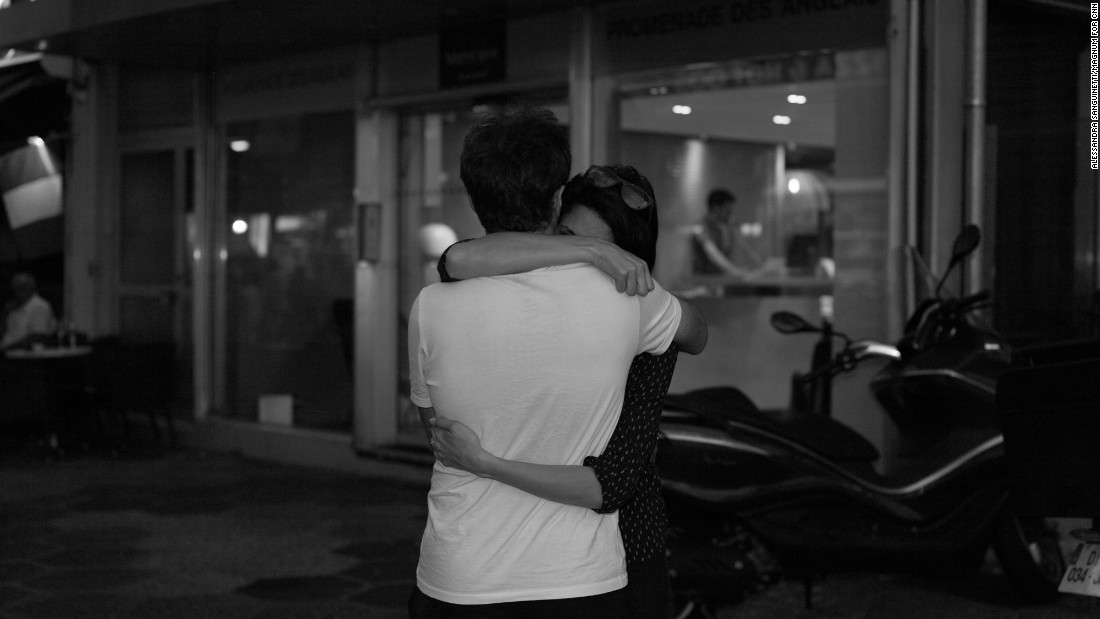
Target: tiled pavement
187, 534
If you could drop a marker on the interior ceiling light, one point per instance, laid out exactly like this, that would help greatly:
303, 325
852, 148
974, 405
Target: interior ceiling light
796, 99
681, 109
779, 119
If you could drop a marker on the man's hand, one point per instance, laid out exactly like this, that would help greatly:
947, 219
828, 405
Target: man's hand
631, 274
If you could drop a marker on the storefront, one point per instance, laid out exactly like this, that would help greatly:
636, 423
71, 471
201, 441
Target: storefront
276, 217
274, 211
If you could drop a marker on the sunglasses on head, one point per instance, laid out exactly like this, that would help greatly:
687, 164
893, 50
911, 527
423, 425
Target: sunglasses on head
634, 196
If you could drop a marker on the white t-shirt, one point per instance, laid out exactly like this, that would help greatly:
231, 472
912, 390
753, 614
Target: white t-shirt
34, 316
536, 365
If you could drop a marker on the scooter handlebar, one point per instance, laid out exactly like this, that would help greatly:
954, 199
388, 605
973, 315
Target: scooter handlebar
850, 356
864, 349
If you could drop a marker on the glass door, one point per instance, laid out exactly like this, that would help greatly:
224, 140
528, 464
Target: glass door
290, 259
156, 185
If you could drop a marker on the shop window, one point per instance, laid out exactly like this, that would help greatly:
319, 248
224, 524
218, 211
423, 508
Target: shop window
769, 176
290, 270
741, 173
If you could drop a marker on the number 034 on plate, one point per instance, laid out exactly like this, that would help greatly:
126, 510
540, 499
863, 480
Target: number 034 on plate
1083, 573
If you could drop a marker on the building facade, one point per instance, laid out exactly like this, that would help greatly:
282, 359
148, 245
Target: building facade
269, 187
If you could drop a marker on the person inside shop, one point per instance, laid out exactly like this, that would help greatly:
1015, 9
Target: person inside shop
719, 247
614, 204
478, 349
27, 316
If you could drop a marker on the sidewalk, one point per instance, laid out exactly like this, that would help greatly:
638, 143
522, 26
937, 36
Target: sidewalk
187, 534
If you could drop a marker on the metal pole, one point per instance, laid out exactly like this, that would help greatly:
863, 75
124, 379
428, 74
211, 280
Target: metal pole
912, 152
975, 132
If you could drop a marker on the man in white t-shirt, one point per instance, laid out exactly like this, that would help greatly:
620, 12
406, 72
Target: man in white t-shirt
27, 314
536, 365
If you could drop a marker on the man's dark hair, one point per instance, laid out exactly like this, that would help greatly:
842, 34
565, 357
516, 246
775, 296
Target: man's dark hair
633, 230
720, 197
512, 163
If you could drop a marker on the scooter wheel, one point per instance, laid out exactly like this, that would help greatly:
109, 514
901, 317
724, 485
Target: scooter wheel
1031, 556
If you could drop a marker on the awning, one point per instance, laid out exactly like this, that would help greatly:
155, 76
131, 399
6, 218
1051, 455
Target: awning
20, 73
34, 97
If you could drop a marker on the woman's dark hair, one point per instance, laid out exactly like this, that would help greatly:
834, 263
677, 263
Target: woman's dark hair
512, 163
633, 230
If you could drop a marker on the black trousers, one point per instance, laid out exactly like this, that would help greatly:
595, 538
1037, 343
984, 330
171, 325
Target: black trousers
648, 594
606, 606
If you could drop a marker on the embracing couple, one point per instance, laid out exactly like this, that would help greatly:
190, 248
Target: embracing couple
539, 367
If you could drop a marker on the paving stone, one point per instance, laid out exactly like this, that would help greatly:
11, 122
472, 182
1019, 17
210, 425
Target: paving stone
393, 595
371, 550
19, 570
115, 499
382, 568
97, 554
169, 500
72, 606
322, 609
87, 579
304, 588
20, 548
99, 535
22, 533
11, 594
194, 607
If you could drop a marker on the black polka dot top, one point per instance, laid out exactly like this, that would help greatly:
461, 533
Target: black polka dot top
625, 469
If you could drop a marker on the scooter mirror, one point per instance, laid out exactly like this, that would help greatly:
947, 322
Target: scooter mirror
966, 242
788, 322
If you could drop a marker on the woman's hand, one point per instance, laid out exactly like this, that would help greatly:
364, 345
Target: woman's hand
456, 445
631, 274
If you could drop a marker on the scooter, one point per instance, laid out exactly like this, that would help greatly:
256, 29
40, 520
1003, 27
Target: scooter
752, 493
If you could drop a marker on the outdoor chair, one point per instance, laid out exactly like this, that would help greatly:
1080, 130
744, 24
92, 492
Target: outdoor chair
133, 377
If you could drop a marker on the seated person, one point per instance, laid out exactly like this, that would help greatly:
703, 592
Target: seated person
27, 315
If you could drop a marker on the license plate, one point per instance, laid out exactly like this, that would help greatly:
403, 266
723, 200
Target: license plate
1083, 574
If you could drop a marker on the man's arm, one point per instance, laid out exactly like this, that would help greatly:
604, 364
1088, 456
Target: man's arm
721, 260
505, 253
426, 416
692, 332
418, 388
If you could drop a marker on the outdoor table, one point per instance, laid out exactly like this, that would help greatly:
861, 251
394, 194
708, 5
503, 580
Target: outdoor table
49, 379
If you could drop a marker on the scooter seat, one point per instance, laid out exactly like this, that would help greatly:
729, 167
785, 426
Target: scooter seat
728, 406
